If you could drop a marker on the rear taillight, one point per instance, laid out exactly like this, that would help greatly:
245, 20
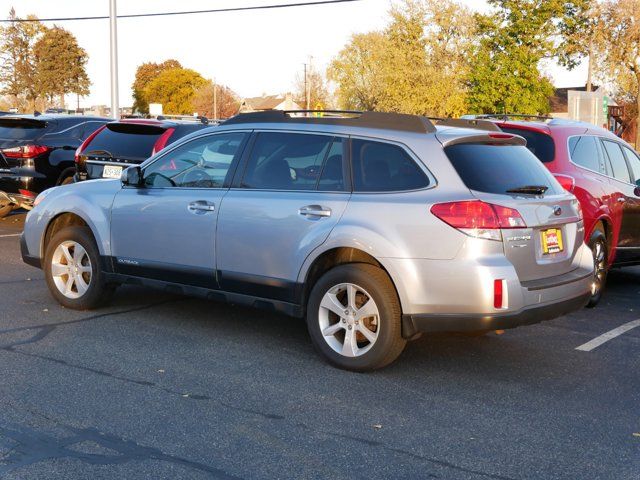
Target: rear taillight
27, 193
478, 219
162, 140
25, 151
567, 182
86, 142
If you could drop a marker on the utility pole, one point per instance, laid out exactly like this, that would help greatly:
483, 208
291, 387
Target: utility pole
215, 100
115, 107
306, 96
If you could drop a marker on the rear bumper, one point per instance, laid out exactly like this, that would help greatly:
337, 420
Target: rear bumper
412, 324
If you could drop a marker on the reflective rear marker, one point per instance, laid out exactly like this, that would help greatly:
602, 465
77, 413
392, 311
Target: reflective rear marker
610, 335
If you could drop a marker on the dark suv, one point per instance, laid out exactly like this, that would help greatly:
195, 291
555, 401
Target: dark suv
118, 145
37, 152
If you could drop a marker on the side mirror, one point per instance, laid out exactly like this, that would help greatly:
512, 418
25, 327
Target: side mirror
132, 177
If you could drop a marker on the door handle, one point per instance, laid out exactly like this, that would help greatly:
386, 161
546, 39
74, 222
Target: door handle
314, 211
201, 206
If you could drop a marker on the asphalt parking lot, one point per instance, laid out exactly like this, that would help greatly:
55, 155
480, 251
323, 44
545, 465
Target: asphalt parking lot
160, 386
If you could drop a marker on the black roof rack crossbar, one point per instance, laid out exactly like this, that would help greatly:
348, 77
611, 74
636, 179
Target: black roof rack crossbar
507, 116
476, 124
381, 120
199, 118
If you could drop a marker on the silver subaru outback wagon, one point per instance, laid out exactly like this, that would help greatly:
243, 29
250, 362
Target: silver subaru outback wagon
375, 227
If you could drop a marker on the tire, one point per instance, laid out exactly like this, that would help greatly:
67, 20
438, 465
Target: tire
599, 250
5, 210
88, 287
381, 343
66, 177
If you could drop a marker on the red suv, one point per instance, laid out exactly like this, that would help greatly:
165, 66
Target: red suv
603, 172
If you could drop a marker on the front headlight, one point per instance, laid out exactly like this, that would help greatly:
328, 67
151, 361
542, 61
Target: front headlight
42, 196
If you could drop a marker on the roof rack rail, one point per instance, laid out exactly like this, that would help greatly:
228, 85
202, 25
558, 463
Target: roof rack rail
476, 124
198, 118
382, 120
507, 116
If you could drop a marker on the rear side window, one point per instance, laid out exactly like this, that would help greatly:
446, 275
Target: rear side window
499, 168
540, 144
129, 142
617, 162
584, 151
291, 161
383, 167
21, 130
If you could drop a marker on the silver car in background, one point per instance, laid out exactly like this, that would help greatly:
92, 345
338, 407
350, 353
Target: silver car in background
375, 227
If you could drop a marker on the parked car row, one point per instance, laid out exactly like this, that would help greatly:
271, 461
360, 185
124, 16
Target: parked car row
374, 227
42, 151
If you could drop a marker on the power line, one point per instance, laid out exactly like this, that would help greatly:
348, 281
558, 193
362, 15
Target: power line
190, 12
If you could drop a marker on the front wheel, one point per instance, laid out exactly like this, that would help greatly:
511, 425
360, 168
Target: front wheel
354, 318
72, 270
598, 245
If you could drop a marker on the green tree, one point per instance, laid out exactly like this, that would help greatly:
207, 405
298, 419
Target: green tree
514, 38
175, 89
358, 71
145, 74
619, 55
17, 69
60, 65
317, 87
418, 64
227, 102
581, 35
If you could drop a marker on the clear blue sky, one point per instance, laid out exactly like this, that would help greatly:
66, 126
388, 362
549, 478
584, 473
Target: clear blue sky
253, 52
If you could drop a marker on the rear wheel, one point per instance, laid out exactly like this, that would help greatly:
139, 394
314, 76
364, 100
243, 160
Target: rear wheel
354, 318
598, 245
72, 270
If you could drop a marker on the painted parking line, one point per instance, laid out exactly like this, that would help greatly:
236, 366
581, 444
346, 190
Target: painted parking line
610, 335
11, 235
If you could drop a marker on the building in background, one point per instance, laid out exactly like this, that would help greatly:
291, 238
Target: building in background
268, 102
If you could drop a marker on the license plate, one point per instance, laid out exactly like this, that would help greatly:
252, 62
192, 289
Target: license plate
552, 241
111, 172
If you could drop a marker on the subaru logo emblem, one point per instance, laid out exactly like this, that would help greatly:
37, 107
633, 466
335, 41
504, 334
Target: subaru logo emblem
557, 211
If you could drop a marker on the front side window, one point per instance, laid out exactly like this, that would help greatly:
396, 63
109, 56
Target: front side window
634, 163
616, 161
293, 161
584, 151
201, 163
383, 167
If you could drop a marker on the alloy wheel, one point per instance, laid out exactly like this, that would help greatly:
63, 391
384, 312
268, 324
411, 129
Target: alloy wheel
71, 269
600, 267
349, 320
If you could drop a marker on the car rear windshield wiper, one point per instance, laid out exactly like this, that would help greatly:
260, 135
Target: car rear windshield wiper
530, 189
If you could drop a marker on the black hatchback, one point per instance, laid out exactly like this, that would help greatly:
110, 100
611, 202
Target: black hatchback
120, 144
37, 152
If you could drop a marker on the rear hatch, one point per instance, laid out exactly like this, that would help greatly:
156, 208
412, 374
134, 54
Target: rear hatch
17, 132
503, 172
119, 145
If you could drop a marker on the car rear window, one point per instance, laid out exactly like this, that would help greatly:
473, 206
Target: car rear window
12, 129
540, 144
499, 168
130, 142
